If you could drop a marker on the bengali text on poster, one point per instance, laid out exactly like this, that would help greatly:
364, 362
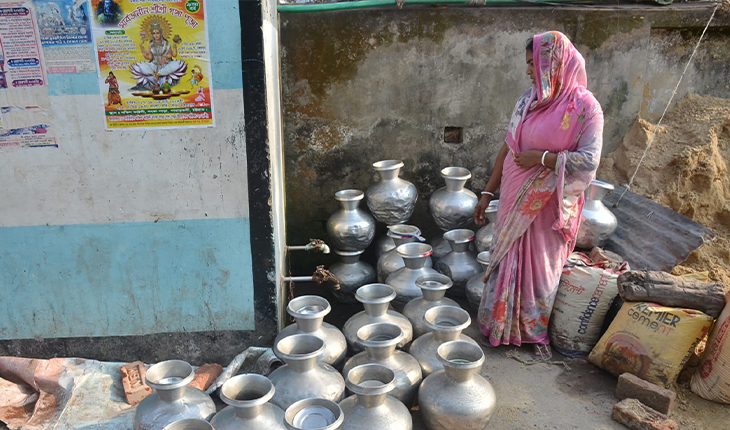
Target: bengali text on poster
154, 63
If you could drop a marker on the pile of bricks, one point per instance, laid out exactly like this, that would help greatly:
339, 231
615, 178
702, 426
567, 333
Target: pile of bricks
643, 405
135, 389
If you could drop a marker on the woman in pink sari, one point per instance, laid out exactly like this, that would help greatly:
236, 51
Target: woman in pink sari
551, 154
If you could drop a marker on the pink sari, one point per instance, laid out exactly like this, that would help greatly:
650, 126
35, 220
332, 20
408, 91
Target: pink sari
539, 208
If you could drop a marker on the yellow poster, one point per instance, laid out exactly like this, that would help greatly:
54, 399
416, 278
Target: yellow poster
154, 63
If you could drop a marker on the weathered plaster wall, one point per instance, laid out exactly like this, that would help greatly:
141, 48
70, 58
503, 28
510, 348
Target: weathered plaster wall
140, 239
361, 86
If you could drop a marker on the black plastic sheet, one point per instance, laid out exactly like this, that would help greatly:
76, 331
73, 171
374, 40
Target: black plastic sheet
651, 236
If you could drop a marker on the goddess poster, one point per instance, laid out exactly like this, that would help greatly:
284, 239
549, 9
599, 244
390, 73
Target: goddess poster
154, 64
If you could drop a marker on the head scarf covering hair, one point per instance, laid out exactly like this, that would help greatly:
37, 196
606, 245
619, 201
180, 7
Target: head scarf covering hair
560, 95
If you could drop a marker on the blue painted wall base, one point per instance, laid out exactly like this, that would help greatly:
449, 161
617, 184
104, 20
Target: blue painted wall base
126, 279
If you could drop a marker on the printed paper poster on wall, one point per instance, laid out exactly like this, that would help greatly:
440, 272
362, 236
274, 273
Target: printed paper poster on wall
65, 32
21, 63
24, 101
154, 64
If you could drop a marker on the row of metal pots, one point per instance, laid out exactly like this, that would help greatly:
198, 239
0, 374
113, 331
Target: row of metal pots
385, 381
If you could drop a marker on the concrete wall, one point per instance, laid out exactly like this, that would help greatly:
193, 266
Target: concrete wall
137, 244
366, 85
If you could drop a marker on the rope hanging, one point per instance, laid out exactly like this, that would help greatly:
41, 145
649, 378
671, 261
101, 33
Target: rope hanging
674, 93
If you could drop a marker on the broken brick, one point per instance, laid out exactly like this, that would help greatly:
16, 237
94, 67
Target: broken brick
133, 381
205, 375
656, 397
637, 416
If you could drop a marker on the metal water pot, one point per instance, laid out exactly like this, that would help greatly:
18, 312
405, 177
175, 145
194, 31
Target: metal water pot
376, 299
440, 247
350, 228
313, 414
392, 199
371, 407
173, 400
403, 280
190, 424
446, 324
460, 264
309, 312
434, 288
352, 274
597, 221
247, 397
475, 286
383, 244
302, 376
390, 261
453, 206
457, 397
484, 236
380, 341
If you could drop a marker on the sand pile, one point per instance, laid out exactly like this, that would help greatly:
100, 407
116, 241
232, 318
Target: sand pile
686, 170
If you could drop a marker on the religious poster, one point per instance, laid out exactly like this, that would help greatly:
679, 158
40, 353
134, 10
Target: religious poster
65, 30
21, 63
153, 62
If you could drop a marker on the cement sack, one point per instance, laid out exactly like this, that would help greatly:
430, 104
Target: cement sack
584, 296
712, 380
650, 341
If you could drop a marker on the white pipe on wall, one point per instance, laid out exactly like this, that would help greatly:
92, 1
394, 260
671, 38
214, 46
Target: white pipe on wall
270, 29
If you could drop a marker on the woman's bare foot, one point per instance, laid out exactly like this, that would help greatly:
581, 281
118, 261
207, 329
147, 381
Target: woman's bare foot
542, 352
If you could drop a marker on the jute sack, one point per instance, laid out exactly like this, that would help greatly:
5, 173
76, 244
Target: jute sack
650, 341
712, 380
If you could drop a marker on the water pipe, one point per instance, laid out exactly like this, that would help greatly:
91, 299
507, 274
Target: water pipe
362, 4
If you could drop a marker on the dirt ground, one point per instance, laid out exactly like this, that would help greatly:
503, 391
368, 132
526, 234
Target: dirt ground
569, 394
685, 169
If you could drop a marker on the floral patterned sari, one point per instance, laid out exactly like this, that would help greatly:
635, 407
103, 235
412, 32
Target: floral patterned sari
539, 208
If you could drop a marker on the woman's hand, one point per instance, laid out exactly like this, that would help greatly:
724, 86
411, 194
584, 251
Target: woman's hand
480, 216
527, 159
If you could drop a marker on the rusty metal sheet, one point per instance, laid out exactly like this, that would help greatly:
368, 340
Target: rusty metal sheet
651, 236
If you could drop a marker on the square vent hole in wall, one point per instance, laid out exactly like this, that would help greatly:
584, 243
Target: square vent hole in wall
453, 135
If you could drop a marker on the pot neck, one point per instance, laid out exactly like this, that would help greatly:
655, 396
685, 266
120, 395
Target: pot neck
371, 401
433, 295
380, 353
301, 365
459, 247
170, 396
351, 205
402, 240
376, 309
492, 216
388, 175
458, 374
455, 185
249, 412
415, 263
309, 325
349, 259
442, 336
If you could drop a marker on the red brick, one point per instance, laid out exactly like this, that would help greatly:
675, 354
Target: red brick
656, 397
205, 375
135, 388
637, 416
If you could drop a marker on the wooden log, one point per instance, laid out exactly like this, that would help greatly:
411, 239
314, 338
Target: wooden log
669, 290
